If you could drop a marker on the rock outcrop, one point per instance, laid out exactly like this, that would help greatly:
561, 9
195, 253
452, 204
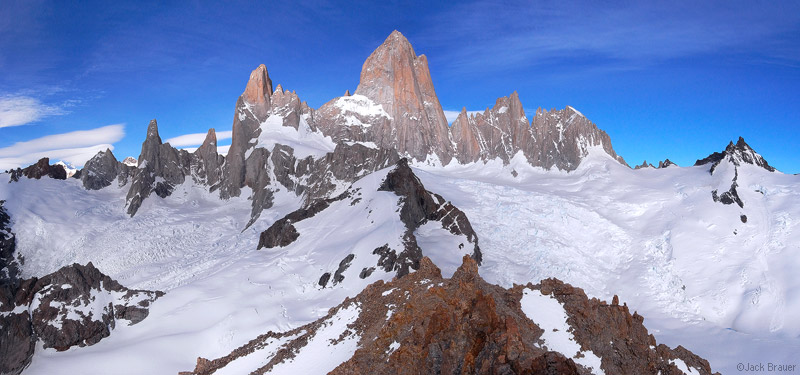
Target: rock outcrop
423, 323
644, 164
102, 169
41, 169
74, 306
562, 138
395, 105
418, 206
161, 168
553, 139
414, 207
732, 158
737, 153
206, 164
498, 132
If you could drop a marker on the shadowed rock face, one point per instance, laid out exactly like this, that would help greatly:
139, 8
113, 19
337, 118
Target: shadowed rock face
161, 168
419, 206
40, 169
425, 324
206, 163
66, 309
737, 153
102, 169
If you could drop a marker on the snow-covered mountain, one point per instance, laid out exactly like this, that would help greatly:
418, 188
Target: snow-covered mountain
256, 250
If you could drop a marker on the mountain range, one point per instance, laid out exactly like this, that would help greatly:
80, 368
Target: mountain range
369, 236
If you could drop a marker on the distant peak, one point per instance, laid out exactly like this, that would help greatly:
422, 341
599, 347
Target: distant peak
737, 153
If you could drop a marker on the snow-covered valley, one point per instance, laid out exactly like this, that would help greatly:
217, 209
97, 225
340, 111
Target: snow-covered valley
699, 275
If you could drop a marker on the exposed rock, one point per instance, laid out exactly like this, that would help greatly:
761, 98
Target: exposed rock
206, 163
499, 132
74, 306
78, 291
666, 163
423, 323
562, 138
645, 164
738, 154
281, 233
398, 81
419, 206
251, 109
161, 168
102, 169
40, 169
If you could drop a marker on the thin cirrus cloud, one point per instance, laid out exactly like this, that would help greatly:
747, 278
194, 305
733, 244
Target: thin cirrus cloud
196, 139
628, 34
17, 110
74, 147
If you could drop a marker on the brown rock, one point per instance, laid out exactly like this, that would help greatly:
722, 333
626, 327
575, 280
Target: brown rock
424, 324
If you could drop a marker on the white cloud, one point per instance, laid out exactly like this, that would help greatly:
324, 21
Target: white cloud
21, 110
451, 115
196, 139
74, 147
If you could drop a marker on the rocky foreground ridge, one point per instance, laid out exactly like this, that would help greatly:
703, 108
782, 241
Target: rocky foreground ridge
425, 324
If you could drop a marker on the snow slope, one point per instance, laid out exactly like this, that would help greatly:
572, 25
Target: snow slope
654, 237
700, 276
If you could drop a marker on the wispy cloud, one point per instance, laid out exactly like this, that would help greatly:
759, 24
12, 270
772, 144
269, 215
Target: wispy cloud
629, 34
452, 115
74, 147
196, 139
22, 110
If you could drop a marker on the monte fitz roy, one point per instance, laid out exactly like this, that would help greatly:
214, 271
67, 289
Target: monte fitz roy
371, 236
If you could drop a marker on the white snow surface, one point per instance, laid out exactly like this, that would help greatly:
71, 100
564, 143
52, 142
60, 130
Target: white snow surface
355, 106
303, 140
550, 316
702, 278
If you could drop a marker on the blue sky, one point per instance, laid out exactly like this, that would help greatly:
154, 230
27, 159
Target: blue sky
674, 80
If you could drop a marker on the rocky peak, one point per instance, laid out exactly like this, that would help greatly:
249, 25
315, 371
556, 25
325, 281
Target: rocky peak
102, 169
398, 80
206, 162
737, 153
130, 161
644, 164
161, 167
252, 108
38, 170
258, 90
498, 132
562, 138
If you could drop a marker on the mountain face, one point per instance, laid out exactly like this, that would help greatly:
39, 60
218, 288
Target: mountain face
280, 144
738, 153
424, 323
725, 165
397, 97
